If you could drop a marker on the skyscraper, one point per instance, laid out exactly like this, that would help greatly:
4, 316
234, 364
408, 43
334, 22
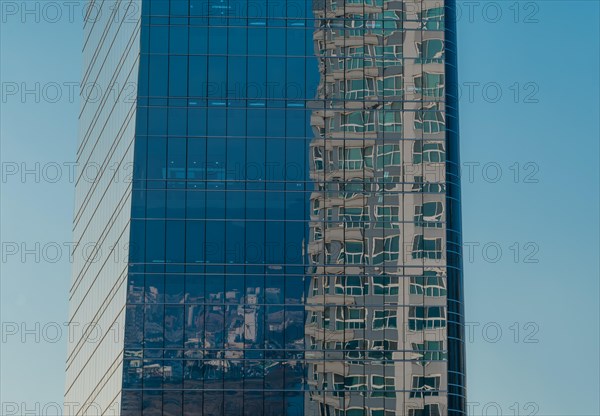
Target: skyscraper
293, 218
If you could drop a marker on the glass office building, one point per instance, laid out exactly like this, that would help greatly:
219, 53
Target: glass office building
293, 218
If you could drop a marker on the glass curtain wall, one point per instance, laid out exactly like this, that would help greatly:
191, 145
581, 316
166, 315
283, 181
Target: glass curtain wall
219, 228
295, 217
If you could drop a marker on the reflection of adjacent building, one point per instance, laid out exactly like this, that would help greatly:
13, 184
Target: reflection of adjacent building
224, 347
377, 304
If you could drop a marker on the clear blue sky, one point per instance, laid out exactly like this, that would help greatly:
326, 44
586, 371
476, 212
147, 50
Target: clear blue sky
545, 63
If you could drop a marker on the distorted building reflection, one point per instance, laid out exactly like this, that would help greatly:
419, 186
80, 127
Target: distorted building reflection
377, 308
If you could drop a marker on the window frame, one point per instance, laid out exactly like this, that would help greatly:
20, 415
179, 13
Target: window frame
386, 249
389, 320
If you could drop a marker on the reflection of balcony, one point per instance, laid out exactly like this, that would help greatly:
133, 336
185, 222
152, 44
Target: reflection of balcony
356, 72
331, 175
331, 335
340, 37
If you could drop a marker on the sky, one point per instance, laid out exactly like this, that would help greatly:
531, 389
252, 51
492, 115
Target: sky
529, 113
